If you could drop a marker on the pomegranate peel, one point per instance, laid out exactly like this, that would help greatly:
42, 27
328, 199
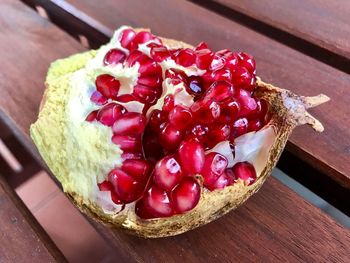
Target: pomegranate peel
80, 153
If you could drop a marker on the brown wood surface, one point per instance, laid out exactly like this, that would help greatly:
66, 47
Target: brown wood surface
22, 239
324, 23
328, 152
275, 224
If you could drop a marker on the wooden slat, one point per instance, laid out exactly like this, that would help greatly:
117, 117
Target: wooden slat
278, 64
323, 23
22, 239
275, 223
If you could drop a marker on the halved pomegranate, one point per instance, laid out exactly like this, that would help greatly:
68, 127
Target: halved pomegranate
184, 134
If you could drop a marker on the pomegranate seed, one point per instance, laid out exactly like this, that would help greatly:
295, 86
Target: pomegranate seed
127, 188
126, 37
223, 52
186, 195
92, 116
125, 98
108, 114
157, 202
226, 179
151, 81
157, 120
239, 127
149, 67
115, 198
170, 137
204, 58
127, 143
130, 123
222, 74
254, 125
107, 85
131, 155
219, 91
105, 186
114, 56
229, 111
167, 173
175, 74
138, 169
201, 45
219, 133
214, 166
152, 149
169, 103
186, 57
245, 171
242, 78
142, 211
140, 38
231, 60
248, 105
247, 61
133, 57
200, 132
159, 53
146, 94
194, 85
98, 98
205, 111
191, 155
218, 62
180, 117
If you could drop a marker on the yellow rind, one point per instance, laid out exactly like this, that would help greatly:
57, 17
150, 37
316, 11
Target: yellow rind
48, 133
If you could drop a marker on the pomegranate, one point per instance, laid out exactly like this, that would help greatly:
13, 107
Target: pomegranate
165, 137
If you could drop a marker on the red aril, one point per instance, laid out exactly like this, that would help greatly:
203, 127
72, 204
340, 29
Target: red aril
218, 62
109, 113
191, 154
127, 143
91, 116
226, 179
131, 155
126, 37
231, 59
180, 117
98, 98
229, 111
130, 123
168, 104
186, 195
254, 125
140, 38
159, 53
186, 57
214, 166
201, 45
157, 202
199, 132
248, 104
205, 111
157, 120
105, 186
108, 86
167, 173
133, 57
146, 94
204, 57
170, 137
138, 169
194, 85
114, 56
222, 74
239, 127
245, 171
219, 133
219, 91
247, 61
150, 80
243, 79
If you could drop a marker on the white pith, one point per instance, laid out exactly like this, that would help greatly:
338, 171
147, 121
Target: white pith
253, 147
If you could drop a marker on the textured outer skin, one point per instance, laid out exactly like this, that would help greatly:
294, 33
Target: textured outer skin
212, 205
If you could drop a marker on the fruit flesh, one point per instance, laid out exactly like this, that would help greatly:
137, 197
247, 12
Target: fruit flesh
224, 109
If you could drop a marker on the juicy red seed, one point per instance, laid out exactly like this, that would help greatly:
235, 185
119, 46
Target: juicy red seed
126, 187
247, 61
105, 186
131, 155
214, 166
191, 155
205, 111
239, 127
142, 211
180, 117
186, 195
92, 116
248, 105
226, 179
204, 58
151, 81
222, 74
169, 103
157, 120
98, 98
126, 98
170, 137
245, 171
131, 123
153, 44
242, 78
219, 133
146, 94
173, 73
201, 45
133, 57
108, 114
218, 62
114, 56
107, 85
254, 125
219, 91
186, 57
138, 169
126, 37
140, 38
200, 132
157, 202
231, 59
167, 173
115, 198
152, 149
194, 85
223, 52
159, 53
127, 143
149, 67
229, 111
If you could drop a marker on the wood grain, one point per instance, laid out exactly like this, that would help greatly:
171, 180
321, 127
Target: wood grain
22, 239
275, 224
321, 22
328, 152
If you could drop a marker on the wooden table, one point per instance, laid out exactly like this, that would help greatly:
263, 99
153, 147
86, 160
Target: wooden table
275, 224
